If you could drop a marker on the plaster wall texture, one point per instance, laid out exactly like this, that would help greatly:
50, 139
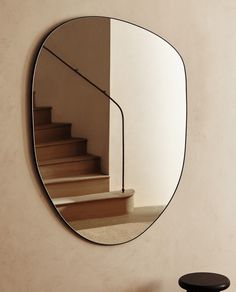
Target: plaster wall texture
197, 231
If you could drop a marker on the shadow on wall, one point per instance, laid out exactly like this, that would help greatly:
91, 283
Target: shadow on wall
148, 287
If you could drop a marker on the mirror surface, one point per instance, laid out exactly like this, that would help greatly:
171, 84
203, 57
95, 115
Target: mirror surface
109, 178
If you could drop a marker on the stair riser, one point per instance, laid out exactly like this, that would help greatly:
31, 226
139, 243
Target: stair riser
52, 134
96, 209
42, 117
78, 188
62, 150
70, 168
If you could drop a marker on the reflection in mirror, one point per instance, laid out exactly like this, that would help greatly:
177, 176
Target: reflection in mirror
109, 125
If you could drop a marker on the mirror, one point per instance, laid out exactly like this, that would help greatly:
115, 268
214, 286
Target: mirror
109, 125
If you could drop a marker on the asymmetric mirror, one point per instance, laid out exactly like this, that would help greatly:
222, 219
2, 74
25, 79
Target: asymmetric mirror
109, 125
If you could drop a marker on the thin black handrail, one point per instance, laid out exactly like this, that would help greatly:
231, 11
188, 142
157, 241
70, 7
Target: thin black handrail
110, 98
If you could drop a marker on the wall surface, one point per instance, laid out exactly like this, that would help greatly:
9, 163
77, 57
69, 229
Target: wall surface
198, 230
84, 43
148, 81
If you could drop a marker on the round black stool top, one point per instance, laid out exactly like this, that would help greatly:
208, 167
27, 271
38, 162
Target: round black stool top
197, 282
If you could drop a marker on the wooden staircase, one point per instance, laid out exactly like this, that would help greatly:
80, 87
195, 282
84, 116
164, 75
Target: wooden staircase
71, 176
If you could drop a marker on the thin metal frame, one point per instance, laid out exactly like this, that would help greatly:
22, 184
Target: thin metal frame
32, 68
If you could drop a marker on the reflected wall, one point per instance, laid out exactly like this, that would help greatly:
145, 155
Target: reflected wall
148, 79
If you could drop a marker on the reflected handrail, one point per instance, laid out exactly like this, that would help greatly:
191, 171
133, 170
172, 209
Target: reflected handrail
110, 98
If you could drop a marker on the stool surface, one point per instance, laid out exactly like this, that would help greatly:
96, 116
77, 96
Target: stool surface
204, 282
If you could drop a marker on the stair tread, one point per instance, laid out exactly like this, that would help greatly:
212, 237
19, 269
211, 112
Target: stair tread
69, 159
41, 108
62, 141
76, 178
51, 125
93, 197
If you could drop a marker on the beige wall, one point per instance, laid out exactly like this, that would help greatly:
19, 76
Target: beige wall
84, 43
197, 231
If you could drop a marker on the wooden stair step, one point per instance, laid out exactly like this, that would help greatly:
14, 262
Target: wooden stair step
77, 186
42, 115
61, 148
69, 166
52, 132
139, 215
95, 205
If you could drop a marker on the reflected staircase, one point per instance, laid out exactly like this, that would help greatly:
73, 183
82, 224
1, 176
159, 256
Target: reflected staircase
71, 176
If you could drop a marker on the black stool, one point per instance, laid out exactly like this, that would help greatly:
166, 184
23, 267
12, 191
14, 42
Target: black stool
199, 282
